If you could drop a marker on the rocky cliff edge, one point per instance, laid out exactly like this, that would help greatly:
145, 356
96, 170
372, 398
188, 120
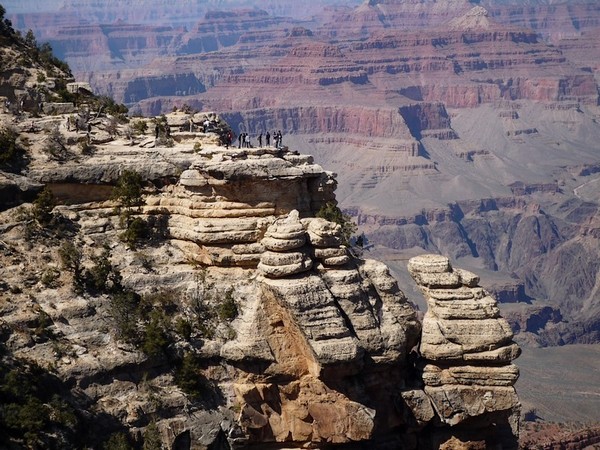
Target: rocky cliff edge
296, 340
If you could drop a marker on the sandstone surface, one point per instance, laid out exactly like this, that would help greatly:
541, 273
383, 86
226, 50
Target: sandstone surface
480, 144
466, 346
321, 349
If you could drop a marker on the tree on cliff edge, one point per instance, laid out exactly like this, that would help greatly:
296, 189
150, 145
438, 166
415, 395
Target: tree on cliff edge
334, 214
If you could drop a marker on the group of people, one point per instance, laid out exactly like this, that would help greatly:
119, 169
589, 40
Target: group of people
20, 106
244, 139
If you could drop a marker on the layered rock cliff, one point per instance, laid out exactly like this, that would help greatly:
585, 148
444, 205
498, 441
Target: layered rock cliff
235, 317
470, 139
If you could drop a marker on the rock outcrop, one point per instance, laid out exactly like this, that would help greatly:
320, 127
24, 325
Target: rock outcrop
322, 349
467, 348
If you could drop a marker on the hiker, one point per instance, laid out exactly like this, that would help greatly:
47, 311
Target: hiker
247, 140
276, 139
279, 139
260, 140
268, 138
240, 139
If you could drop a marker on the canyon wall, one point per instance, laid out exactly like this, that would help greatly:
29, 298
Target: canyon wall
420, 107
324, 348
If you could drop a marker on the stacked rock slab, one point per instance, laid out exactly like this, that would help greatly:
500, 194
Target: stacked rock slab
325, 317
307, 297
467, 350
326, 238
285, 253
344, 282
367, 294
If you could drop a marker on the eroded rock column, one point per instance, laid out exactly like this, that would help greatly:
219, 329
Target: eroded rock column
306, 297
467, 349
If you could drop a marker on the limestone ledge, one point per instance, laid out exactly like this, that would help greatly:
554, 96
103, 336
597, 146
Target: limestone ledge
506, 375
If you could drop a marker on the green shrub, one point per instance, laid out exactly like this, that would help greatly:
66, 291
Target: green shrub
50, 278
42, 325
144, 261
183, 328
108, 105
128, 189
156, 339
152, 440
158, 226
29, 417
102, 276
43, 206
205, 314
139, 126
227, 309
128, 193
117, 441
124, 310
70, 257
12, 155
137, 229
46, 58
334, 214
32, 413
189, 378
164, 300
57, 146
63, 413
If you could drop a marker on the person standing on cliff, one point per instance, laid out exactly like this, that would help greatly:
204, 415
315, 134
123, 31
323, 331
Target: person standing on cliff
247, 140
156, 131
279, 139
268, 138
260, 140
240, 139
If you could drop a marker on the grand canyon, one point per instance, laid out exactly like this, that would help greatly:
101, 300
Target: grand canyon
467, 129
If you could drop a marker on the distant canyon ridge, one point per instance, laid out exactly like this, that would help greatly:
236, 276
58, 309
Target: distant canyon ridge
467, 128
